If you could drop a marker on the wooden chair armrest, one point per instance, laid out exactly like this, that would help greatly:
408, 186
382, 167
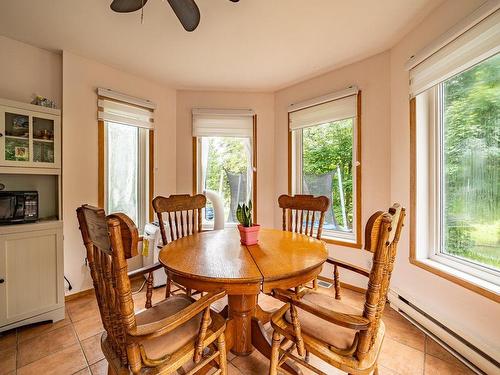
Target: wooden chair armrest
278, 314
286, 295
168, 324
348, 266
355, 322
145, 270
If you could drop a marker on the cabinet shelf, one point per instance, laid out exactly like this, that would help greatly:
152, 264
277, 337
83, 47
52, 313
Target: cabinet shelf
43, 140
17, 137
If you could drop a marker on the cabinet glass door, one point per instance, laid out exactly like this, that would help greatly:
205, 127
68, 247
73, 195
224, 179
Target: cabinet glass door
17, 131
43, 140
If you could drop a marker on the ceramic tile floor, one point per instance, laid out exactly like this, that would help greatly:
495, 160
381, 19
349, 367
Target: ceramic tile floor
72, 346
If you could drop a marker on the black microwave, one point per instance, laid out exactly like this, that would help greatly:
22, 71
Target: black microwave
18, 207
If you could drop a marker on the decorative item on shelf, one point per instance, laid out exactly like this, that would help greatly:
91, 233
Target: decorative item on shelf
45, 134
19, 128
249, 232
44, 102
21, 153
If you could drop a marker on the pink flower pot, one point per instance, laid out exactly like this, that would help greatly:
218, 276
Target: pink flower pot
249, 235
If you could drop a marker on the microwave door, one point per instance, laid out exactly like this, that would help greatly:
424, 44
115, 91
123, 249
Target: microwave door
7, 208
19, 212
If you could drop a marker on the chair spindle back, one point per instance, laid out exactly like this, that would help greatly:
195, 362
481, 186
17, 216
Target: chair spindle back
183, 214
109, 242
382, 234
302, 212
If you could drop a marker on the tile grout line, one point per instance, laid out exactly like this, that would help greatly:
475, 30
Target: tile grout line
81, 348
35, 337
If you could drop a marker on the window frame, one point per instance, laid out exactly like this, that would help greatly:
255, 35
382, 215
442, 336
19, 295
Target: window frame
196, 165
436, 197
429, 255
295, 172
146, 171
467, 43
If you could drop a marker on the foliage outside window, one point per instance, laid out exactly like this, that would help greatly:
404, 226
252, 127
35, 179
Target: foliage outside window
470, 165
324, 140
226, 168
327, 170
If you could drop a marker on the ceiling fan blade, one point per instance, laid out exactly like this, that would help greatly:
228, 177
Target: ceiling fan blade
127, 6
187, 12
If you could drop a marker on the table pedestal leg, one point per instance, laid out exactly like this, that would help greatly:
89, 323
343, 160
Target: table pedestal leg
245, 329
241, 311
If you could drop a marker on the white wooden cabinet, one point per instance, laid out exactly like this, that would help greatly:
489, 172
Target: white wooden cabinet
31, 267
30, 135
31, 255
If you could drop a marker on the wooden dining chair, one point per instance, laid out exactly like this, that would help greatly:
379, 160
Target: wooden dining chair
161, 339
354, 268
343, 336
304, 214
131, 240
183, 214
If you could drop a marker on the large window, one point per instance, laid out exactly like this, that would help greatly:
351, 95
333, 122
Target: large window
225, 161
125, 170
469, 171
324, 158
456, 160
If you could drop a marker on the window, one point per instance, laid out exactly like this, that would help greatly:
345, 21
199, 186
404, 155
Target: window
456, 163
324, 137
469, 177
225, 161
125, 173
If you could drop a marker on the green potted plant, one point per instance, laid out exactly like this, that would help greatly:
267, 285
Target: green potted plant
249, 232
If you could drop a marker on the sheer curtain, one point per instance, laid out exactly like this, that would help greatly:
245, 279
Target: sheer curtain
248, 149
204, 162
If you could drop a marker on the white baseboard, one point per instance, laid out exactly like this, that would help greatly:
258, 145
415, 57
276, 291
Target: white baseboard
458, 346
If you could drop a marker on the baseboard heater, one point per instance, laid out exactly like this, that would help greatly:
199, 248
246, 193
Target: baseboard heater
473, 357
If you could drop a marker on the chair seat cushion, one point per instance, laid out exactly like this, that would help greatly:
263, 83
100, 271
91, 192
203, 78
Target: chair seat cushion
332, 334
172, 341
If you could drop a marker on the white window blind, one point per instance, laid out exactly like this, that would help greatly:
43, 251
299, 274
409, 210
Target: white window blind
123, 109
333, 107
222, 123
477, 43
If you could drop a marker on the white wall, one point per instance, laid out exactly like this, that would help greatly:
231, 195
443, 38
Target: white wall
81, 77
263, 105
26, 70
372, 77
467, 313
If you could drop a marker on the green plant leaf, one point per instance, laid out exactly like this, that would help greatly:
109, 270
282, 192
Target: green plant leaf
239, 214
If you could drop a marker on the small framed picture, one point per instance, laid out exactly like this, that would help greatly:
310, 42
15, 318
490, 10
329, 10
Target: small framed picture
21, 153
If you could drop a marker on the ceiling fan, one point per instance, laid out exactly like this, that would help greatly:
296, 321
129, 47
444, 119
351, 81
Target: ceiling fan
186, 10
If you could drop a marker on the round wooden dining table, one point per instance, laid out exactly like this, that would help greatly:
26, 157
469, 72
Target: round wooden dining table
216, 259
